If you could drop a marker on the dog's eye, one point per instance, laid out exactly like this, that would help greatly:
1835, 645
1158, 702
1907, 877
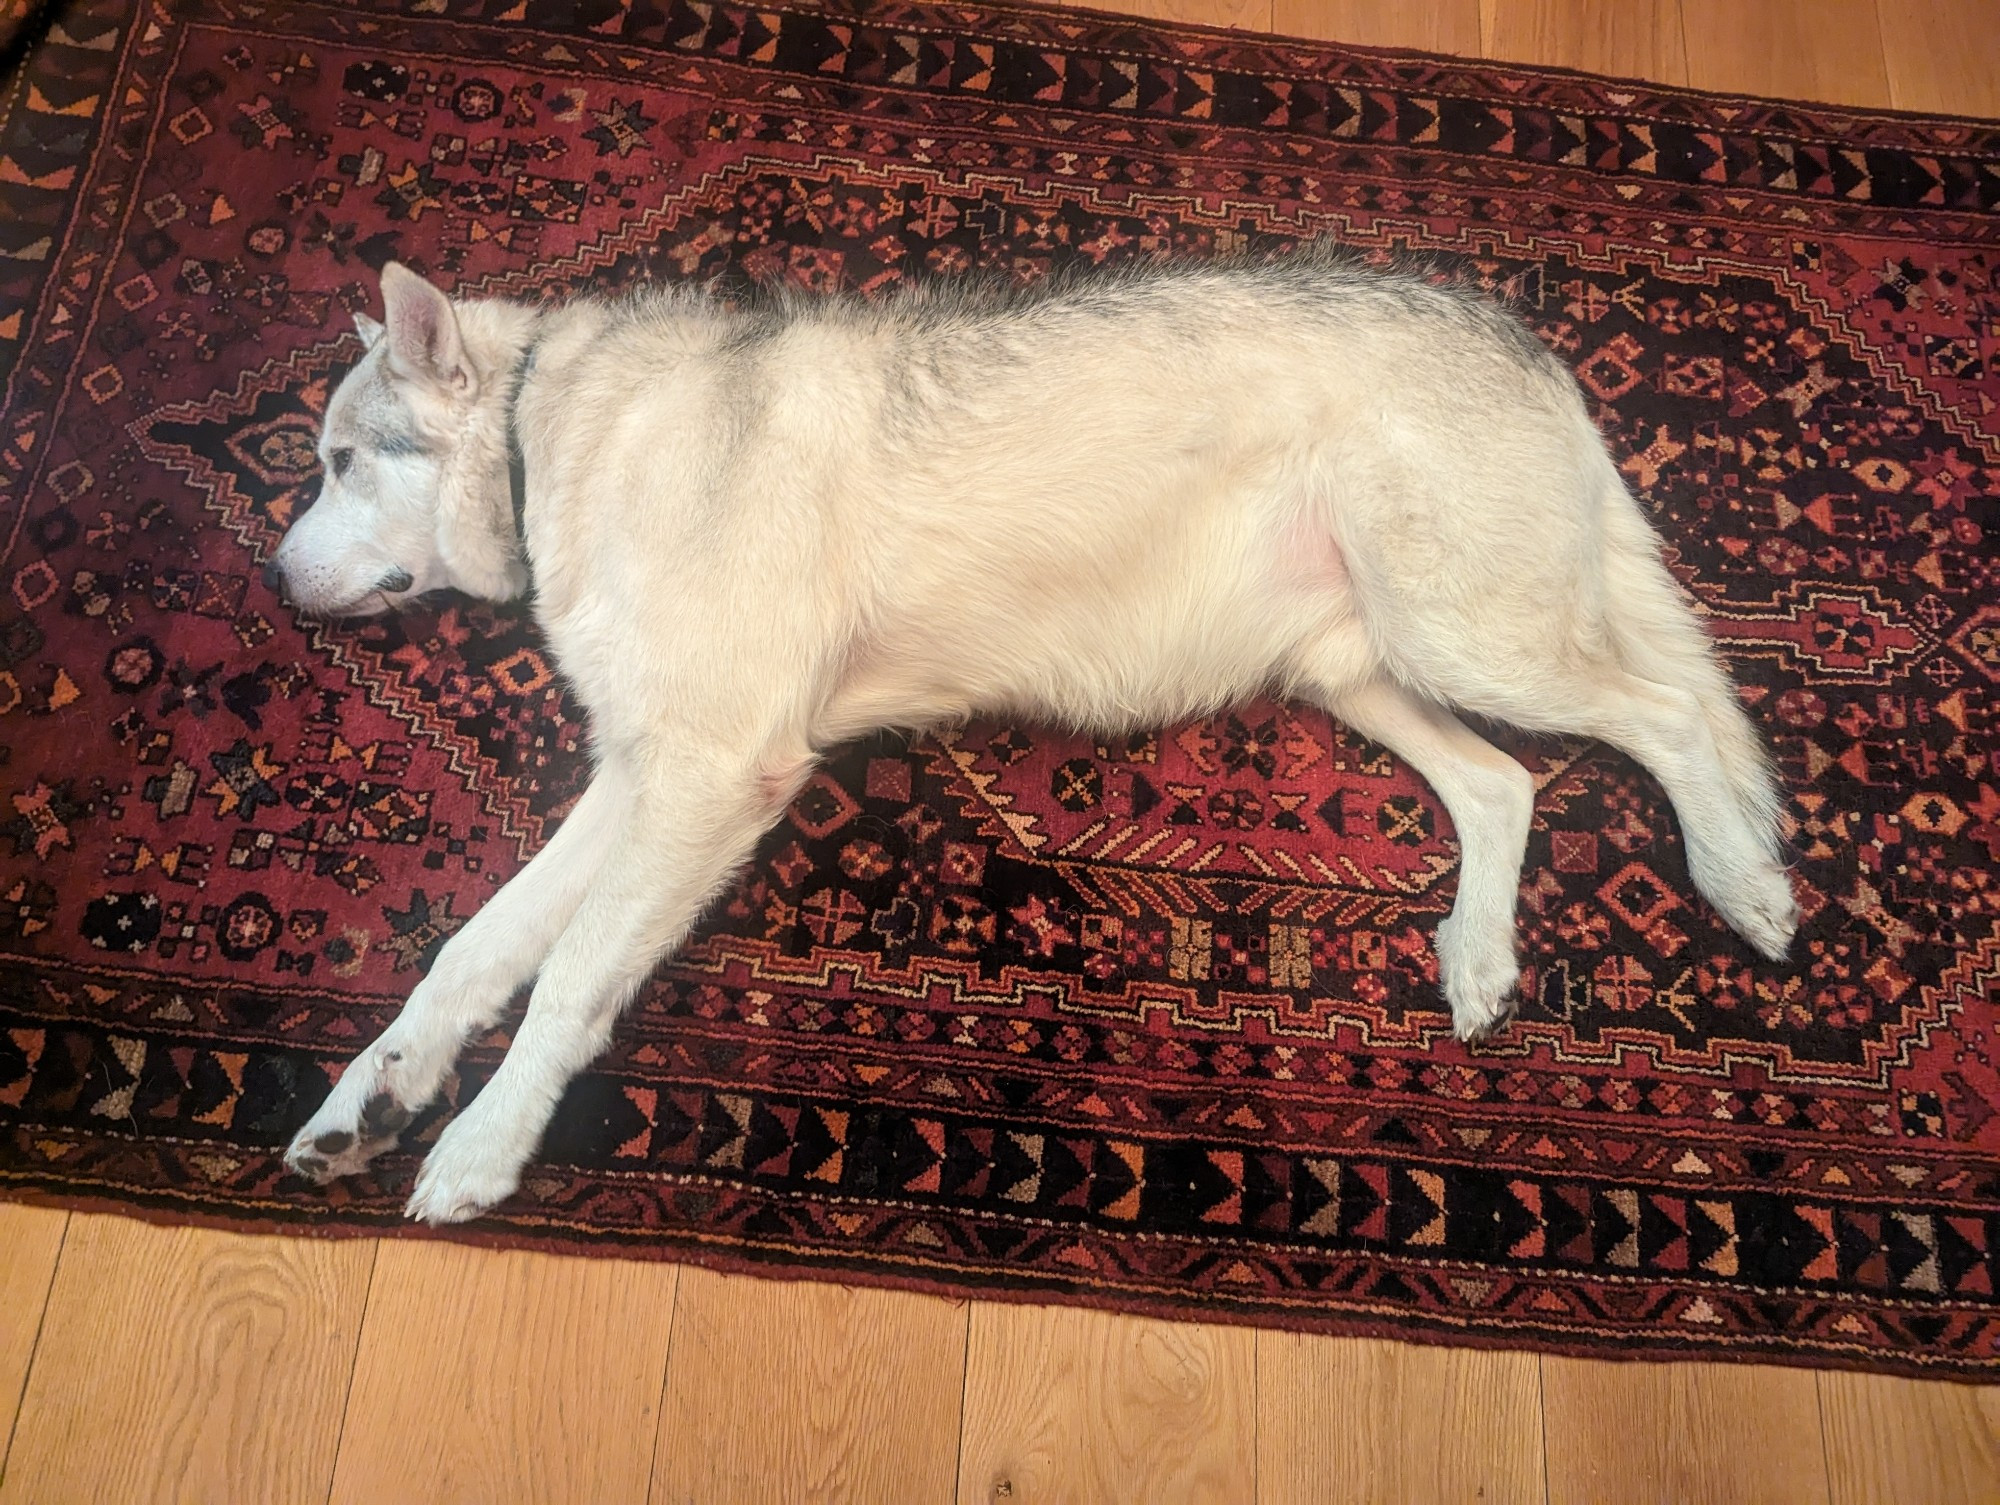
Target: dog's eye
340, 459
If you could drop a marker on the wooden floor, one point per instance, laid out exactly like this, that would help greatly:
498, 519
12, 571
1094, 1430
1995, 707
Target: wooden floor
139, 1363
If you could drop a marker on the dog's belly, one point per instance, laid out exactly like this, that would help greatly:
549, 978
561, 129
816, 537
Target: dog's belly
1202, 629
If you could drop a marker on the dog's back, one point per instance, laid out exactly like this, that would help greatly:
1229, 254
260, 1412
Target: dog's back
1119, 500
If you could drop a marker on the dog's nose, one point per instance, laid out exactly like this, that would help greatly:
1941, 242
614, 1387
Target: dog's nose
274, 579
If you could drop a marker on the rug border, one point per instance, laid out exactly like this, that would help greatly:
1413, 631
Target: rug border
1058, 9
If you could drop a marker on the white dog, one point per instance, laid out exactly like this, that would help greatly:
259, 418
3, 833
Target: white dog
1110, 502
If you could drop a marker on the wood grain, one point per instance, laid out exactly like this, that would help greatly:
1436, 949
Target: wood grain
1342, 1419
1890, 1440
1633, 39
30, 1239
1241, 15
1828, 50
789, 1392
182, 1363
488, 1376
1942, 55
1653, 1432
1433, 26
1063, 1404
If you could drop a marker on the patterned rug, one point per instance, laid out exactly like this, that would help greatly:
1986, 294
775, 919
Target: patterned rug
1149, 1024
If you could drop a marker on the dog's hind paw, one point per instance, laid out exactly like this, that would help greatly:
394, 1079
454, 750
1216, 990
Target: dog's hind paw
1763, 910
1478, 978
1482, 1022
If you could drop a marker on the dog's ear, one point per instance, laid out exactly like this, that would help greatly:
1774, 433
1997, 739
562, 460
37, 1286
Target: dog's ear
369, 329
424, 343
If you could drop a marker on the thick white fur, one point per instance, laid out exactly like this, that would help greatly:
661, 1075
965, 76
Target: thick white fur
1122, 503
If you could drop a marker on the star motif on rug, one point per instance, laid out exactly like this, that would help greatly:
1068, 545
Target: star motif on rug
418, 933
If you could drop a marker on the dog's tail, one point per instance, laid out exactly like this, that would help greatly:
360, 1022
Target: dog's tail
1657, 635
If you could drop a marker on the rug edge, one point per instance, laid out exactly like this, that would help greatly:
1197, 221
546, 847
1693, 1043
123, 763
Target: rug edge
1811, 104
845, 1270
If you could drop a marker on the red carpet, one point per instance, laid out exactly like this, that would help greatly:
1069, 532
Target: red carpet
1150, 1025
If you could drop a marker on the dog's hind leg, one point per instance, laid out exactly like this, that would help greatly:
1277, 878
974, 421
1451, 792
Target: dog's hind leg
1657, 636
1730, 852
479, 970
1491, 800
682, 836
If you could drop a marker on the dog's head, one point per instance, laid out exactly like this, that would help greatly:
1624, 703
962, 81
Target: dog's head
414, 495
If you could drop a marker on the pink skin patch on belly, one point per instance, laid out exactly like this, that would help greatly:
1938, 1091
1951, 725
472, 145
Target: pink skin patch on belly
776, 786
1312, 557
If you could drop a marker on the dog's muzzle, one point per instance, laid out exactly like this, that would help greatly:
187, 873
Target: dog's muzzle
393, 583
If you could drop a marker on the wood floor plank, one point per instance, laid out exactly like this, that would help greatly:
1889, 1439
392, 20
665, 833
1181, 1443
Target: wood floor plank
1634, 39
1435, 26
30, 1239
1942, 55
187, 1364
1890, 1440
1349, 1419
795, 1391
1828, 50
1668, 1432
1240, 15
487, 1375
1063, 1404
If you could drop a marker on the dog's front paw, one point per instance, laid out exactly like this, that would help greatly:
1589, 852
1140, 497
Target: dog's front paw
468, 1172
342, 1137
1478, 973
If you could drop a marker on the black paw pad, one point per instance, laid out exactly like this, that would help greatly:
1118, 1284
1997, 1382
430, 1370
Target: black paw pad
334, 1143
382, 1114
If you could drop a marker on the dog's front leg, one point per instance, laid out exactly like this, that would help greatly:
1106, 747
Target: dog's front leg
477, 972
675, 849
